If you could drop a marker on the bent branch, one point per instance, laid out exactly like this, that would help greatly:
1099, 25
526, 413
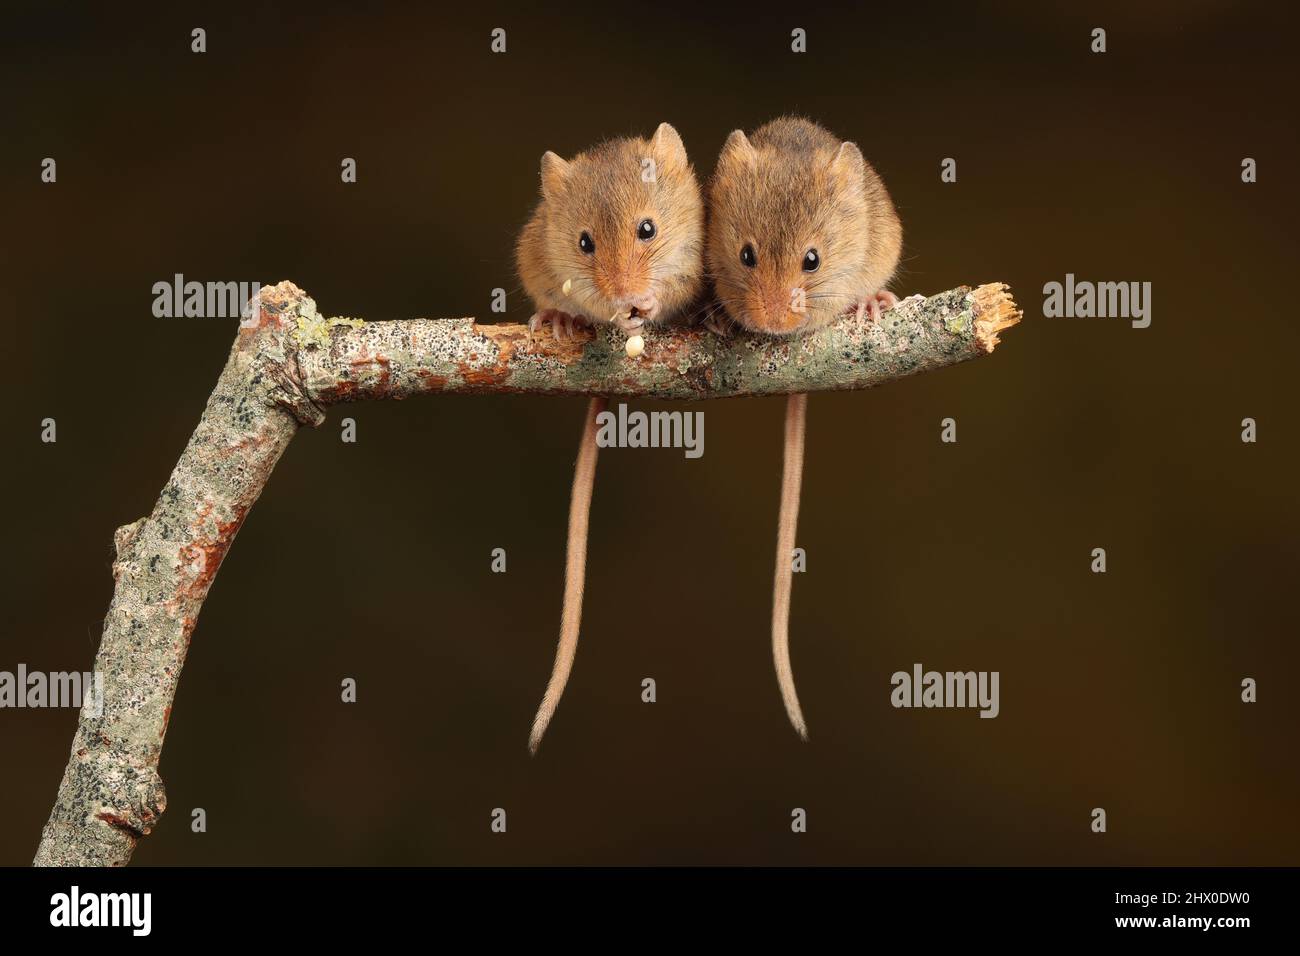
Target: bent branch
287, 364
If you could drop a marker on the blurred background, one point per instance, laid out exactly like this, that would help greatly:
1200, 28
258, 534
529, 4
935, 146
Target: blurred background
1119, 690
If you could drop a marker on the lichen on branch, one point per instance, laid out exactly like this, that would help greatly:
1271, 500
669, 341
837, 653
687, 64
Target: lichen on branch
286, 366
378, 360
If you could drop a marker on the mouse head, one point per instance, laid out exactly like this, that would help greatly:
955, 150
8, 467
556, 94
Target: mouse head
623, 219
787, 236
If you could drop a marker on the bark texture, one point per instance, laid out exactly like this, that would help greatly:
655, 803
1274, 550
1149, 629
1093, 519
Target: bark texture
287, 364
399, 359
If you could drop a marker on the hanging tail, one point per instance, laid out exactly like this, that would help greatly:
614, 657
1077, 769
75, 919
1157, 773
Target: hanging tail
575, 570
796, 410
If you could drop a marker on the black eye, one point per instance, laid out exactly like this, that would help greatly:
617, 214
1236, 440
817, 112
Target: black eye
747, 257
585, 244
646, 230
811, 260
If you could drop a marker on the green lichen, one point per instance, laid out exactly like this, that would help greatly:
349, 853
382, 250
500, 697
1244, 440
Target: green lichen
959, 324
313, 331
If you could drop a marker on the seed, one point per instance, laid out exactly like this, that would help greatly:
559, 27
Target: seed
568, 284
635, 346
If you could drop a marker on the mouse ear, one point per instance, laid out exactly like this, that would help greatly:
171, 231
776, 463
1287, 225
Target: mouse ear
849, 163
667, 145
737, 148
554, 171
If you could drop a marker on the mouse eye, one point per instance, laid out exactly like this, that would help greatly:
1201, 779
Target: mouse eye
747, 257
585, 244
645, 231
811, 260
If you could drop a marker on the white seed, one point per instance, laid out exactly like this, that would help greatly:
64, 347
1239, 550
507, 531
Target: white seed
635, 346
568, 284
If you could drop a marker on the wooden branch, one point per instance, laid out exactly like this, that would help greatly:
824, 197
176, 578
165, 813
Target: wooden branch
286, 366
400, 359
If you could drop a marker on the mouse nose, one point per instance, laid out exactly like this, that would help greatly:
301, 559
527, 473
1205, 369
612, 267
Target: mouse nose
620, 287
778, 315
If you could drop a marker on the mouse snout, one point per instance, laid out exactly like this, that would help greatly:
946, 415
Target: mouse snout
775, 312
623, 289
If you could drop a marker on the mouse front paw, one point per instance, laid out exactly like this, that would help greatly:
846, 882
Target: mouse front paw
630, 326
719, 323
872, 306
563, 325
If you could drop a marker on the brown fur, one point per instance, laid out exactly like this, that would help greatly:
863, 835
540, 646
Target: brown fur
603, 192
790, 187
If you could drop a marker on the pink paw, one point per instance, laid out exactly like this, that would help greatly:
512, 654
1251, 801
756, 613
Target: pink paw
873, 305
629, 326
563, 324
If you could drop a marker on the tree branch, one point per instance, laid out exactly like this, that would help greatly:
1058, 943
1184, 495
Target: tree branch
285, 367
400, 359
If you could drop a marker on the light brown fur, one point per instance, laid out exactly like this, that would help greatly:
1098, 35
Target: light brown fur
791, 187
607, 192
604, 192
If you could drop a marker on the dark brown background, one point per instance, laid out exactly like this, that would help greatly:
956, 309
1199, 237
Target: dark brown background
372, 560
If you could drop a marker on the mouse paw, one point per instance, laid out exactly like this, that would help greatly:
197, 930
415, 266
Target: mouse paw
719, 323
563, 324
873, 305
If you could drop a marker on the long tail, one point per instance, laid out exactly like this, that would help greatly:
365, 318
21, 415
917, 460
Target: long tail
575, 569
796, 410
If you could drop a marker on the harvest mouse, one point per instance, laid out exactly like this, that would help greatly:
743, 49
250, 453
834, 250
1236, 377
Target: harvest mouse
618, 236
619, 232
801, 231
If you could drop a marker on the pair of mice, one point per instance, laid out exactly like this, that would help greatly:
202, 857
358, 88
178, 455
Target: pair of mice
795, 230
